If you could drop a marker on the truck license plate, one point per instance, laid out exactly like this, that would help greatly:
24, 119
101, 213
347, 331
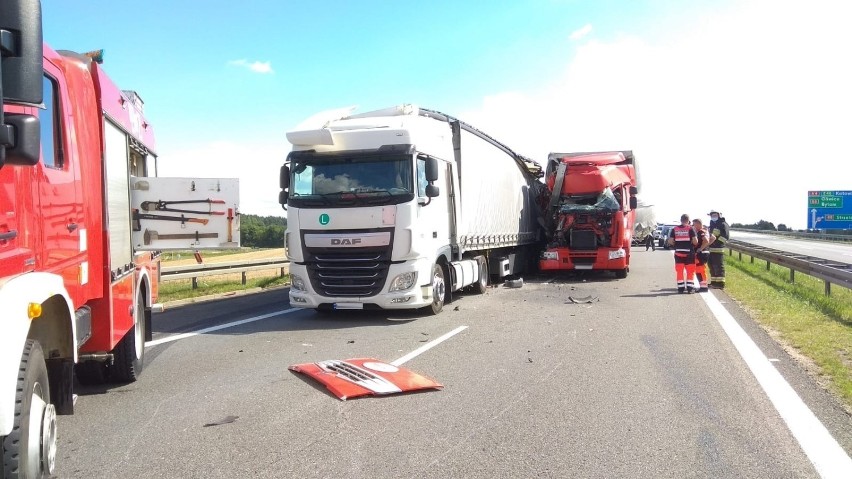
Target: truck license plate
348, 305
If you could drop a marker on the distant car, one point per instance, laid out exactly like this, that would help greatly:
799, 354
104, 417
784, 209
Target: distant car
664, 230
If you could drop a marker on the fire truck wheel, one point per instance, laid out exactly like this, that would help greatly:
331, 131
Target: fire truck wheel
621, 273
439, 290
30, 450
129, 354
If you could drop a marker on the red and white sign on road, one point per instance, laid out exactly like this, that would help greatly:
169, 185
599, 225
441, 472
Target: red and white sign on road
363, 377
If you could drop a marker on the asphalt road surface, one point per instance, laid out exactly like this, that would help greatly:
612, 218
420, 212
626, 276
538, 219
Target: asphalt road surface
841, 252
642, 382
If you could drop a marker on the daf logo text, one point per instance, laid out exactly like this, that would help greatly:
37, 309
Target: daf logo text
345, 241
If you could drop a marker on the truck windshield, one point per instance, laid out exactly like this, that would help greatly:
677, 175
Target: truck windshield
351, 181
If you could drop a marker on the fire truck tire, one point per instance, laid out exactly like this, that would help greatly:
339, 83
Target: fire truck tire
30, 450
439, 290
621, 273
129, 354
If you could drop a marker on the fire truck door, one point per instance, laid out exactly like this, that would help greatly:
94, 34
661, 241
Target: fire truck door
60, 199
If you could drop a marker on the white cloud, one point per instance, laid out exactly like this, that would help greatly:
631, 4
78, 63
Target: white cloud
581, 32
255, 66
733, 112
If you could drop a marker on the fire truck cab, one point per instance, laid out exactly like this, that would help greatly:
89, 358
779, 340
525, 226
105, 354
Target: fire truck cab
82, 220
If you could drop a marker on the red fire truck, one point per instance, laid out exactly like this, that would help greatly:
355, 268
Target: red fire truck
82, 218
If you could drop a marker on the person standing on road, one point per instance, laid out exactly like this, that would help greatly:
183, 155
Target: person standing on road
720, 230
702, 255
649, 242
684, 240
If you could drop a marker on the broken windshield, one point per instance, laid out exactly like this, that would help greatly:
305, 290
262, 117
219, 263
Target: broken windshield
606, 200
350, 181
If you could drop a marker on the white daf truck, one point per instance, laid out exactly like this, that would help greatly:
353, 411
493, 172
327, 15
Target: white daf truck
399, 208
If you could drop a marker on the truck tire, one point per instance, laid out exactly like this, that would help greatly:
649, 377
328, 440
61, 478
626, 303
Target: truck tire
129, 354
481, 286
621, 273
439, 290
30, 450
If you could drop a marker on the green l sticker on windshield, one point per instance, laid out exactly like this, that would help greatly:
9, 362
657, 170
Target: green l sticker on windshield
324, 219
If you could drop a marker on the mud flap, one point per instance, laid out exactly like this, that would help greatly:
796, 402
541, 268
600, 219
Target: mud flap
60, 373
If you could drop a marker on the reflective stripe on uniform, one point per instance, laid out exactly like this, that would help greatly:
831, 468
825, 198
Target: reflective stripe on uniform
717, 250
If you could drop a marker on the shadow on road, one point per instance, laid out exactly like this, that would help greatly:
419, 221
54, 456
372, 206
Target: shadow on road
653, 294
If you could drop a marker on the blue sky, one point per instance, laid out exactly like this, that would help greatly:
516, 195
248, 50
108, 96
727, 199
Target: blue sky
495, 64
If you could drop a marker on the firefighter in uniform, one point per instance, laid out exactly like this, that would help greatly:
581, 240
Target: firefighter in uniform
702, 253
684, 240
719, 229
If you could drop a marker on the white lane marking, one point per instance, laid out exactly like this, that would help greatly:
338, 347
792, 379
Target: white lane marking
178, 337
828, 458
427, 346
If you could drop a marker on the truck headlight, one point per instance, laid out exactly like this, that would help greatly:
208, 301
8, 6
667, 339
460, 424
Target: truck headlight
619, 253
549, 255
403, 281
297, 283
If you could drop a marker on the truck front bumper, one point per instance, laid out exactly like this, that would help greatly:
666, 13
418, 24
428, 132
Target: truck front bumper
417, 296
555, 259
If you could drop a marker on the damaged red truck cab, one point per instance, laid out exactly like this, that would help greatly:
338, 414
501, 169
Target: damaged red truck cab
590, 211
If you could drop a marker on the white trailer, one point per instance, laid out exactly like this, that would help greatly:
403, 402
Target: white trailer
401, 207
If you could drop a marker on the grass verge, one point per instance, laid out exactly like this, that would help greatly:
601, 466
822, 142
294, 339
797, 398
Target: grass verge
182, 289
817, 326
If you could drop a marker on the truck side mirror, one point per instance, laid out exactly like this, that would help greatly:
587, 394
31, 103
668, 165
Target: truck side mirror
282, 198
21, 73
634, 203
21, 42
634, 190
432, 191
284, 180
431, 170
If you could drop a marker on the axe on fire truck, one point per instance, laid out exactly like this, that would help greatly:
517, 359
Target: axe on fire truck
183, 219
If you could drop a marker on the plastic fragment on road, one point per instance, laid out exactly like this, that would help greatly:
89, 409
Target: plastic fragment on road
583, 300
515, 283
358, 377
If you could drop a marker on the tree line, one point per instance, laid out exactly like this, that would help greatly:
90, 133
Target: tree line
262, 231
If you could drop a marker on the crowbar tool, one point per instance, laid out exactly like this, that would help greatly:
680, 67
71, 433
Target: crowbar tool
152, 235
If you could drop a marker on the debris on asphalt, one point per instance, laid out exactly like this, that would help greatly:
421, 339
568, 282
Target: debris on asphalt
351, 341
515, 283
364, 377
456, 308
583, 300
307, 345
225, 420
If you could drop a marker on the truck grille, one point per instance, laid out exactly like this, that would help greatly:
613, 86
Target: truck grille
348, 272
584, 239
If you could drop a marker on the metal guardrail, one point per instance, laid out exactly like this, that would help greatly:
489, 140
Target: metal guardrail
801, 234
831, 272
195, 271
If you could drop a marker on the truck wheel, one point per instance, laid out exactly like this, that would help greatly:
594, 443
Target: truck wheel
481, 286
621, 273
129, 354
439, 290
30, 450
